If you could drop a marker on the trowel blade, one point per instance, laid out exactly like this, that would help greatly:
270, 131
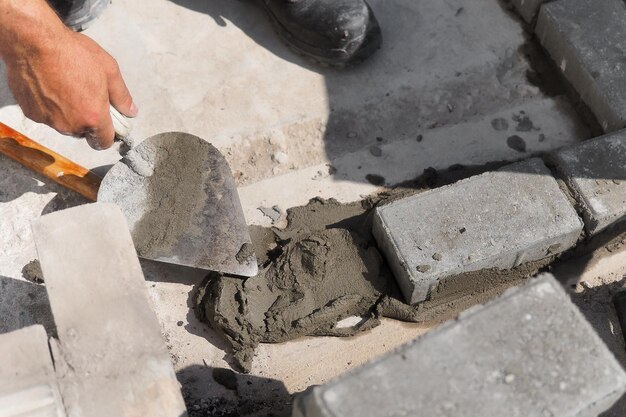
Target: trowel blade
180, 199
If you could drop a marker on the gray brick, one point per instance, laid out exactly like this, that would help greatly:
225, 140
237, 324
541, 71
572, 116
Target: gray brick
596, 172
114, 358
528, 353
528, 9
500, 219
587, 40
28, 385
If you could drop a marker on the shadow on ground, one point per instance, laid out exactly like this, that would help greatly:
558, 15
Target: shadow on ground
24, 304
213, 392
375, 103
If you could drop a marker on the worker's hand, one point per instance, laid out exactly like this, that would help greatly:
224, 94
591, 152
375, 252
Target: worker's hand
68, 85
58, 77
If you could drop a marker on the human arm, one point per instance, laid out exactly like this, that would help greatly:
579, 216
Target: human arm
59, 77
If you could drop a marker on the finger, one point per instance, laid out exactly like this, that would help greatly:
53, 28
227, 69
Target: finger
120, 96
102, 136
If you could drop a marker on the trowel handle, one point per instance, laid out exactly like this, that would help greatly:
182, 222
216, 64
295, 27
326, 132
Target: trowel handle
46, 162
121, 124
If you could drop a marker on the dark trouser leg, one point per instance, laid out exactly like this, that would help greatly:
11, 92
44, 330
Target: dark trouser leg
78, 14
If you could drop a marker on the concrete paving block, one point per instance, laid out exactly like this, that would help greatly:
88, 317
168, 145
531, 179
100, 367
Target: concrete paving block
528, 9
596, 173
28, 386
587, 40
500, 219
528, 353
114, 357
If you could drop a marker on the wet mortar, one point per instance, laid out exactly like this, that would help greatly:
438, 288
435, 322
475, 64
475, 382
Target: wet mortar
325, 267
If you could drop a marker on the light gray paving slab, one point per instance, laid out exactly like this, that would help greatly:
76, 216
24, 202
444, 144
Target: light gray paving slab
528, 353
587, 40
28, 386
528, 9
500, 219
596, 173
114, 357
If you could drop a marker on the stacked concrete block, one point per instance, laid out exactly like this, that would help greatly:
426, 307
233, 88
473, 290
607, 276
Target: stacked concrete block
28, 385
528, 9
595, 171
528, 353
500, 219
112, 358
587, 40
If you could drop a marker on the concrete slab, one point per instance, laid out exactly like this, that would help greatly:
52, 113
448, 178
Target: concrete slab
528, 9
500, 219
506, 351
596, 173
115, 359
28, 385
591, 59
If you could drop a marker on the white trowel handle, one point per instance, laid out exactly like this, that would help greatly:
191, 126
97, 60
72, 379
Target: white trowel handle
122, 124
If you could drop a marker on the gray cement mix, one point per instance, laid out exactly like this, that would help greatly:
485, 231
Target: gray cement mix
322, 268
156, 197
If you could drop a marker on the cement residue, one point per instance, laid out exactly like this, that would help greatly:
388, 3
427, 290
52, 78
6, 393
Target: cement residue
169, 207
325, 267
32, 272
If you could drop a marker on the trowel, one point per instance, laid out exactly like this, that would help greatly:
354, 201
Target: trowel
176, 190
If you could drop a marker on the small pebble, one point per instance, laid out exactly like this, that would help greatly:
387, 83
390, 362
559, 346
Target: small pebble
180, 323
376, 151
419, 138
423, 268
280, 157
437, 257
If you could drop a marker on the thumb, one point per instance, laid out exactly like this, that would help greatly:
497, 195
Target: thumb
120, 97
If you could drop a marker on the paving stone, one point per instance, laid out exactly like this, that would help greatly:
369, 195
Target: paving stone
528, 9
596, 173
528, 353
587, 40
500, 219
114, 359
28, 384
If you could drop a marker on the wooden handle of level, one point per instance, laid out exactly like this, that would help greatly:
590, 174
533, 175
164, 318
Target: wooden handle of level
48, 163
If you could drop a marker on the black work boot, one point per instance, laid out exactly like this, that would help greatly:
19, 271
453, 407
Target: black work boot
78, 14
332, 32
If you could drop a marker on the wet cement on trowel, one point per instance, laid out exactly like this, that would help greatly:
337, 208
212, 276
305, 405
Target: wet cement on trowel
325, 267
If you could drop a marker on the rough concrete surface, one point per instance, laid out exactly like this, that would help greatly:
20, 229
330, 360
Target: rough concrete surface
111, 359
501, 358
28, 385
596, 173
587, 40
499, 219
446, 71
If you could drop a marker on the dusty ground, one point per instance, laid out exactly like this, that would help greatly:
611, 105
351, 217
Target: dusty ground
450, 86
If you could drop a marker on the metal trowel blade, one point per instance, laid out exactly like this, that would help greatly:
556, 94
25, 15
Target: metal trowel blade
182, 206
